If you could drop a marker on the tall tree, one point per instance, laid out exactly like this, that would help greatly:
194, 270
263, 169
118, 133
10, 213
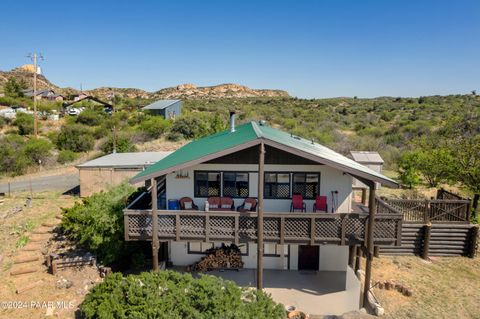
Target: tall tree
465, 148
14, 87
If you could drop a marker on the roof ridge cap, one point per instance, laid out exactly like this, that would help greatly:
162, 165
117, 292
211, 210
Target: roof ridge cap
256, 129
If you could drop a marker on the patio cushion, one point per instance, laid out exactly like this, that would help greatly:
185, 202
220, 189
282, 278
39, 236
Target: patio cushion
188, 205
226, 206
213, 206
247, 206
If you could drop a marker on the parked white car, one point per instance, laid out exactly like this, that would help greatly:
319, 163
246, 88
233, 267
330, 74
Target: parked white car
74, 111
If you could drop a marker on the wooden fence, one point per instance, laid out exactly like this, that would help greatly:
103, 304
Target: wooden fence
444, 194
432, 210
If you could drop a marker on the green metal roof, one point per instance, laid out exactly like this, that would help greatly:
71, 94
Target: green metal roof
250, 134
202, 147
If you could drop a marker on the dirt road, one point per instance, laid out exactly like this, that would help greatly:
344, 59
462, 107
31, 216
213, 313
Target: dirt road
53, 181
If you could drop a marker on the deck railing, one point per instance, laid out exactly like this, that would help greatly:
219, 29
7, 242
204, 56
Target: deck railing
281, 228
432, 210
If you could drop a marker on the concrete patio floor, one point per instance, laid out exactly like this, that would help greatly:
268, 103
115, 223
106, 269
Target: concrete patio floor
313, 292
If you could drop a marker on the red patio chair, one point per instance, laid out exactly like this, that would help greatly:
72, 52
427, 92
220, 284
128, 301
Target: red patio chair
298, 203
320, 204
249, 205
187, 200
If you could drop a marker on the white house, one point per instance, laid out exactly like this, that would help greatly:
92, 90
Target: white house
275, 170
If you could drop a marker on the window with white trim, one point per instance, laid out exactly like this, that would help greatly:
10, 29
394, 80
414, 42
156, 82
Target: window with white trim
277, 185
235, 184
306, 184
207, 184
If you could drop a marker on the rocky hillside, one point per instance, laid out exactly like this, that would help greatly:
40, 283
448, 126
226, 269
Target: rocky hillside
26, 74
184, 91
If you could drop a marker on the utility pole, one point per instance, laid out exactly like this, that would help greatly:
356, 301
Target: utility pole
114, 137
35, 68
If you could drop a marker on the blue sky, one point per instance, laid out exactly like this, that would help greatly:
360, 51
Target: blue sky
309, 48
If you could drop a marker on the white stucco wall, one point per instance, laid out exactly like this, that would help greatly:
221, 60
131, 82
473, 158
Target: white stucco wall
330, 180
332, 258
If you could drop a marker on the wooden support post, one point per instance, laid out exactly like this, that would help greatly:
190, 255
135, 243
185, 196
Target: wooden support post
364, 196
155, 243
207, 228
473, 241
282, 256
237, 225
282, 230
372, 210
261, 168
376, 251
426, 213
126, 227
312, 231
358, 258
427, 230
352, 251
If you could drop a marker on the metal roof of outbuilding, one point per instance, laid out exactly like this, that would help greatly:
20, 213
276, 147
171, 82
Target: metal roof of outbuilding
366, 157
160, 105
125, 160
251, 134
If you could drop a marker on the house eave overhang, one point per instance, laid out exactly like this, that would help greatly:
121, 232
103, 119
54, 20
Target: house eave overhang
197, 161
339, 166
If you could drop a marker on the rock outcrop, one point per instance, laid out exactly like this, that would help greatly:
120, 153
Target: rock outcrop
182, 91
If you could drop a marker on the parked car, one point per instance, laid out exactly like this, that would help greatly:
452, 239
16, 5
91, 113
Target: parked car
73, 111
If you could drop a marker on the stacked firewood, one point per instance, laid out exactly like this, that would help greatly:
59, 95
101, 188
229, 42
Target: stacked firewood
224, 257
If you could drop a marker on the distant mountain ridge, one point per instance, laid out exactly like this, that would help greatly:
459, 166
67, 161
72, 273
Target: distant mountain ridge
183, 91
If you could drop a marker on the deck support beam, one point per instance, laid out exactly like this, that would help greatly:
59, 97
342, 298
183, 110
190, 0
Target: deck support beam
155, 242
372, 210
261, 169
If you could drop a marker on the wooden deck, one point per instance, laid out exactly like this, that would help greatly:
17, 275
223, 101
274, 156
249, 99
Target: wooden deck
281, 228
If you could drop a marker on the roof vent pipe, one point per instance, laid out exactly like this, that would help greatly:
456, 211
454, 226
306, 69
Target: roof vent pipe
232, 121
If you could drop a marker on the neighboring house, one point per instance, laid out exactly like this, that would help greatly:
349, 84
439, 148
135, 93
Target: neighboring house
88, 99
49, 95
228, 165
372, 160
110, 170
79, 96
169, 109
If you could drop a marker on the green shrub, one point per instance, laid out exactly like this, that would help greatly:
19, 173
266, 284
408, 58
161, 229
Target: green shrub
2, 121
76, 138
169, 295
154, 126
198, 125
174, 136
38, 150
24, 122
91, 117
66, 156
12, 158
189, 127
97, 223
123, 144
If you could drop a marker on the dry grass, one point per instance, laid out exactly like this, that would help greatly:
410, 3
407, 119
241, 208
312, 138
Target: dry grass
443, 288
45, 207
